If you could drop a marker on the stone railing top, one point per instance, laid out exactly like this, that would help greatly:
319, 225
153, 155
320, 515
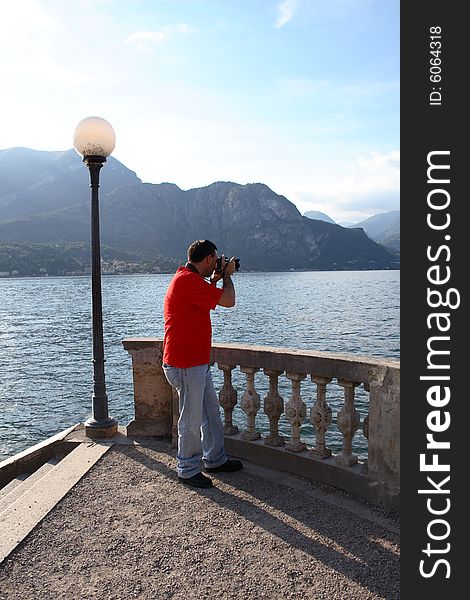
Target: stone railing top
352, 367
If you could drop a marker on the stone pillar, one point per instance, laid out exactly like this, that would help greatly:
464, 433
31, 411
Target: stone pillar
348, 423
384, 430
365, 423
296, 411
250, 404
152, 392
228, 399
273, 407
320, 417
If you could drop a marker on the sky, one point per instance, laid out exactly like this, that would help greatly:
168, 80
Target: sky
302, 95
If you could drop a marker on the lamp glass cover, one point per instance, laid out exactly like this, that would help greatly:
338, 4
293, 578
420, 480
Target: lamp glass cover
94, 136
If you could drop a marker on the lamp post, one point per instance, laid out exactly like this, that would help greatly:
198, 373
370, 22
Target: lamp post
94, 139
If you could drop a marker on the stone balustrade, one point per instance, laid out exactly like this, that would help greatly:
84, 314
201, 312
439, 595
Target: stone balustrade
309, 376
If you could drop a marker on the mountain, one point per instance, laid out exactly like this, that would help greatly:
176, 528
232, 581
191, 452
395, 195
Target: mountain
34, 182
262, 228
316, 214
347, 224
383, 228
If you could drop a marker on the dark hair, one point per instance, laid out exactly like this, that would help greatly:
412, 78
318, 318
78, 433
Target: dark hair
200, 249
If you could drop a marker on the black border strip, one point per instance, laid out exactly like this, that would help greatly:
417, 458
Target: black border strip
433, 124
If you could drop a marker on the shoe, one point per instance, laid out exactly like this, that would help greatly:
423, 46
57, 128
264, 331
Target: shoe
199, 481
229, 466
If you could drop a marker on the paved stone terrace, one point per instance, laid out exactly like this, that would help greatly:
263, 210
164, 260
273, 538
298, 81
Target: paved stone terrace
128, 529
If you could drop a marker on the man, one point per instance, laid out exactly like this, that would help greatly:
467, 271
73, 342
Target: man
186, 361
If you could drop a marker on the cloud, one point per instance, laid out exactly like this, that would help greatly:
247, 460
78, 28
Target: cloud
376, 173
140, 37
286, 11
40, 47
376, 161
369, 186
330, 93
146, 36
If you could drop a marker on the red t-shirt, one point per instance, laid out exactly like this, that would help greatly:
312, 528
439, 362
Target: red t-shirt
188, 330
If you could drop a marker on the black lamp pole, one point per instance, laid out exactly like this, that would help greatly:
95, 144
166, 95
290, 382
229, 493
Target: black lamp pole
94, 139
100, 424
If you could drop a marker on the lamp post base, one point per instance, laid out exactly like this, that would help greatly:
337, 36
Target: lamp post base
105, 428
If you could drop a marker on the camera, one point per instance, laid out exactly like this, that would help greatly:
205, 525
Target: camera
219, 267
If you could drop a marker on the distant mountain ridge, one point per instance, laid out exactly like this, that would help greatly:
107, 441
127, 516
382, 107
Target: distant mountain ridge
316, 214
263, 228
383, 228
27, 178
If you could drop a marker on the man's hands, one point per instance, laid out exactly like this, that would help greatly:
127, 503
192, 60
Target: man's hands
229, 267
228, 270
228, 297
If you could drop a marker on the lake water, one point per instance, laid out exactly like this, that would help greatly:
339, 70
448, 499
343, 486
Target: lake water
45, 339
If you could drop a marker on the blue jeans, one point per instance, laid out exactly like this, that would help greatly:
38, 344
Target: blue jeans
200, 429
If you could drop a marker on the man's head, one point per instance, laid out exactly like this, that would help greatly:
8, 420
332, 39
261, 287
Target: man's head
203, 255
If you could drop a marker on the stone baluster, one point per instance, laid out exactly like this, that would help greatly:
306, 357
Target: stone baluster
273, 407
365, 431
296, 411
228, 399
250, 404
365, 426
365, 423
348, 423
320, 417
